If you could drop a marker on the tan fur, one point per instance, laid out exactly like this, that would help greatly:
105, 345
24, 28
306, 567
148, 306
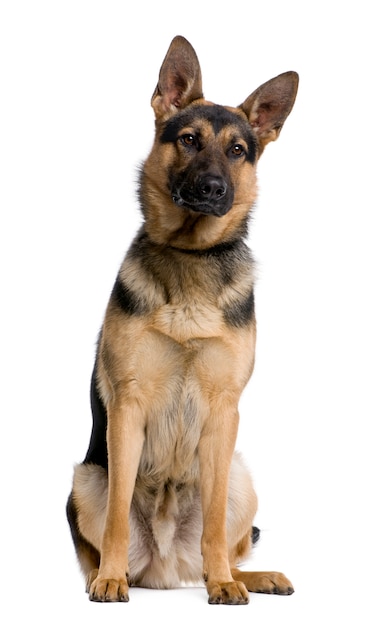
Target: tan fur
176, 504
168, 224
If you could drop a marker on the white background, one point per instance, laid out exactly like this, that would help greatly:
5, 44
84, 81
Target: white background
76, 81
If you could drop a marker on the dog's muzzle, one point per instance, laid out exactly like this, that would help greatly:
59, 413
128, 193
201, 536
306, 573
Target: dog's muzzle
209, 194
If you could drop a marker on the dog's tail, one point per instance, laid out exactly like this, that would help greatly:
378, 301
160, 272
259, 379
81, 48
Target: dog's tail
255, 535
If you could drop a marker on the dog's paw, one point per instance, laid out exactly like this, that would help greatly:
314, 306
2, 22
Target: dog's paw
227, 593
269, 582
109, 590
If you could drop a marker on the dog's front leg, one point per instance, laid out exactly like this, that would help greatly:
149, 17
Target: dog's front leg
216, 449
125, 437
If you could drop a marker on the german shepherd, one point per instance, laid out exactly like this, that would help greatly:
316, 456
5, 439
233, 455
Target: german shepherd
161, 498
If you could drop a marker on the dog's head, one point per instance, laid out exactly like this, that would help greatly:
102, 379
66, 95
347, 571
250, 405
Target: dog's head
202, 167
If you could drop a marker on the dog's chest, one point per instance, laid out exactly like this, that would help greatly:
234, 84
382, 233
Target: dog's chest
191, 326
174, 424
188, 349
182, 355
184, 321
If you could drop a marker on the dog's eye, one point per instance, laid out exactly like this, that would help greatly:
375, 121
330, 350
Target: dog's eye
237, 150
188, 140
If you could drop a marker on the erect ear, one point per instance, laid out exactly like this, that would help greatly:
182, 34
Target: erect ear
179, 79
268, 107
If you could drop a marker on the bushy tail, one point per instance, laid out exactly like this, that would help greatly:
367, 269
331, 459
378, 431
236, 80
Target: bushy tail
255, 534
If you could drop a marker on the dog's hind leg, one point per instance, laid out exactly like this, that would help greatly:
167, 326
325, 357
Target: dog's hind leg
86, 510
258, 582
88, 556
264, 582
241, 534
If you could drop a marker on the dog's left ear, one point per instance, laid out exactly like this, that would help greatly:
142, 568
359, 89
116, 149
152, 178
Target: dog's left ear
179, 80
268, 107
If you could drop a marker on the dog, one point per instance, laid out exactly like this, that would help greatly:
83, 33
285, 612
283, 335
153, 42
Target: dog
162, 498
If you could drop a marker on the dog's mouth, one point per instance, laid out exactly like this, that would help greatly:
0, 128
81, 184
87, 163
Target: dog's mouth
201, 207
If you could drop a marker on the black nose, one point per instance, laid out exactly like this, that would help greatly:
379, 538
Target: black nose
212, 188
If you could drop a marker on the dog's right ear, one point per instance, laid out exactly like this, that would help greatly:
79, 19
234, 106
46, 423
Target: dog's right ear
179, 80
